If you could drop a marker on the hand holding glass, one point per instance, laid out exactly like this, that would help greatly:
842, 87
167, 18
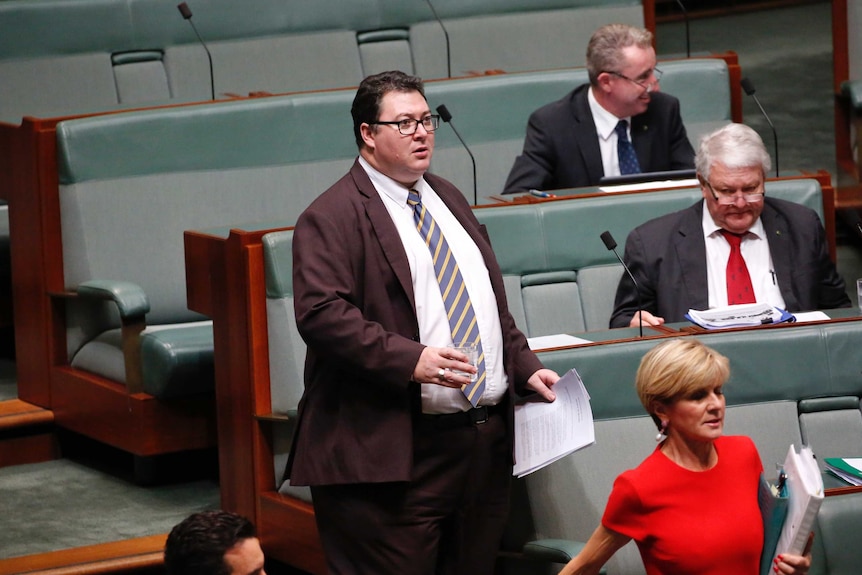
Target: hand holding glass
471, 350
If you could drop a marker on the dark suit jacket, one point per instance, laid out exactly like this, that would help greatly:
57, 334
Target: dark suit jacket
667, 256
561, 149
355, 309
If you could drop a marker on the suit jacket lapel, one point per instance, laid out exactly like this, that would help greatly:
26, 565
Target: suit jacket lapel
690, 248
642, 141
586, 137
385, 230
780, 248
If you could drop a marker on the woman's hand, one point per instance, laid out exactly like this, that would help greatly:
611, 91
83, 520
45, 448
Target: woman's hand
794, 564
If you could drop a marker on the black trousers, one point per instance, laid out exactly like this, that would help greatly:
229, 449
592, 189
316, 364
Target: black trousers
448, 520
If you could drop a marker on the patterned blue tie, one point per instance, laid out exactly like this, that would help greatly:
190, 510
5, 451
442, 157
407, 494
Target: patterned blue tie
462, 319
625, 150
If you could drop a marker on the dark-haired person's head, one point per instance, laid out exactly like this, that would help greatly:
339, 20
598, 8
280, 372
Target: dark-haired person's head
394, 126
214, 543
366, 103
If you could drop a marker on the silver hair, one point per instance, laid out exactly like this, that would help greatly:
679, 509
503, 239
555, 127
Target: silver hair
734, 146
604, 51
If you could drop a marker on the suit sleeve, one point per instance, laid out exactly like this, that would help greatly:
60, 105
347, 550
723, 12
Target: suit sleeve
831, 288
626, 302
329, 262
534, 168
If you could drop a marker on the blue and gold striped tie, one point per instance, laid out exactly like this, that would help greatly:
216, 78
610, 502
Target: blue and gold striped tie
462, 318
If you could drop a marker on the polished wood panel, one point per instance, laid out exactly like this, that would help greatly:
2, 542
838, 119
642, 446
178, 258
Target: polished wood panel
107, 558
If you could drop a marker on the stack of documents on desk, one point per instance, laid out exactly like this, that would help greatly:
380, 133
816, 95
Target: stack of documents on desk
848, 469
740, 315
546, 432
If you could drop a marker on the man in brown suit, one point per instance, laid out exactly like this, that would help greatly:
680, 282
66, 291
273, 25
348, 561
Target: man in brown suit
407, 474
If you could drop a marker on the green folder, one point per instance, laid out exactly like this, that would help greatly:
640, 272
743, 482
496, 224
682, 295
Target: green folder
773, 510
843, 470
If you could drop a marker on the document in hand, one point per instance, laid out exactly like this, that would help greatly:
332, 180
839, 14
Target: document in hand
546, 432
805, 493
739, 315
847, 469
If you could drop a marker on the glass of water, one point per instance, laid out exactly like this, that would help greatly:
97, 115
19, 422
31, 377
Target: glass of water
471, 350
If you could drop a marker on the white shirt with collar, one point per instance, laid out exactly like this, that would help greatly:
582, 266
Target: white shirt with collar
434, 329
758, 260
606, 124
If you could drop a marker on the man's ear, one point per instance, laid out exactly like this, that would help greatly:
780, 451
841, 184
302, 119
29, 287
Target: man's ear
603, 81
367, 132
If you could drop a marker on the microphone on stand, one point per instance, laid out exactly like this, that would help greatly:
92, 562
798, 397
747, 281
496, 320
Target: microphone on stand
687, 35
446, 36
187, 14
447, 117
609, 242
748, 87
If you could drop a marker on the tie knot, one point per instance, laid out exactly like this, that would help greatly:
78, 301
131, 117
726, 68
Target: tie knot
622, 130
413, 198
733, 239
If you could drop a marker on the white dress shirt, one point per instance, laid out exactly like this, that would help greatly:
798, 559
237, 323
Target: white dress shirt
758, 260
606, 124
434, 329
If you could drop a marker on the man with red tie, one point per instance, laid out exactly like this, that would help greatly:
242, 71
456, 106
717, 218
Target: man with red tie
407, 447
743, 247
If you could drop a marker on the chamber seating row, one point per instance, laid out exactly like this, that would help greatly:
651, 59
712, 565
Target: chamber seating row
99, 205
94, 55
558, 276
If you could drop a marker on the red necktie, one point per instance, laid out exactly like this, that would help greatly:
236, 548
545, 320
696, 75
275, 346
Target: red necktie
739, 288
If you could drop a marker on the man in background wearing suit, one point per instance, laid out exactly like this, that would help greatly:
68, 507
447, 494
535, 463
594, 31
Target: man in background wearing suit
588, 134
409, 461
742, 248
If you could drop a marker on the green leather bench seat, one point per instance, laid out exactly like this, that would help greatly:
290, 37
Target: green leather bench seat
96, 55
491, 114
559, 276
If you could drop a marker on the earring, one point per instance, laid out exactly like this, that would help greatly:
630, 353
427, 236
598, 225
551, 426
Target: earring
661, 433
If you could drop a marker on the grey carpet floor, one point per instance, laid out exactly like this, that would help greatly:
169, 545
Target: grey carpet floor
787, 55
61, 504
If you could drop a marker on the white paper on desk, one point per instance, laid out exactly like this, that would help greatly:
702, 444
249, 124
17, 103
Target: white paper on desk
546, 432
653, 185
550, 341
804, 316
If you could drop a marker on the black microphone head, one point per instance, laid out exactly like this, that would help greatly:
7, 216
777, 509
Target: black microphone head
747, 86
444, 113
608, 239
185, 10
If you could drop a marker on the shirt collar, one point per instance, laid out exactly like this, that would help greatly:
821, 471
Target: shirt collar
605, 122
386, 185
710, 228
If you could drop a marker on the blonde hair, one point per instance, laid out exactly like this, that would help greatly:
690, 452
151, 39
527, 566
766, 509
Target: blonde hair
677, 368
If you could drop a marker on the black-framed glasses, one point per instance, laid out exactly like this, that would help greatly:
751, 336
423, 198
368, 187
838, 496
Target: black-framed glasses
408, 126
642, 81
751, 194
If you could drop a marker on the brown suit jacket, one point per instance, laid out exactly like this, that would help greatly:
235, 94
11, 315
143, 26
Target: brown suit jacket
355, 309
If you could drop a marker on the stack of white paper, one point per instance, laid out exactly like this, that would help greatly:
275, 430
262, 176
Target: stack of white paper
546, 432
805, 492
740, 315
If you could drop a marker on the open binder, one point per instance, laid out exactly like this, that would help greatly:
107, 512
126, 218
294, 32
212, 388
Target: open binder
790, 507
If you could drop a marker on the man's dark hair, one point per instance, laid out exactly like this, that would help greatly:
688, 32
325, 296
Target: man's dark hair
366, 104
197, 545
